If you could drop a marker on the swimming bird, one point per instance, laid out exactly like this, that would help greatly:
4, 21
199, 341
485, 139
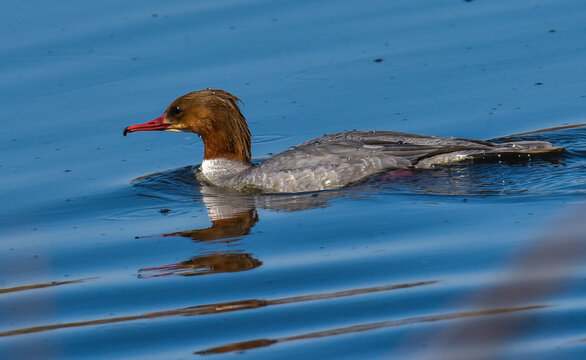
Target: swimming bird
327, 162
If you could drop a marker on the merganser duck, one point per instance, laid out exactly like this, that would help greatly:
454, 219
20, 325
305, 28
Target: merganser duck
327, 162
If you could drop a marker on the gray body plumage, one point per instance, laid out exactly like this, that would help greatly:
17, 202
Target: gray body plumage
338, 160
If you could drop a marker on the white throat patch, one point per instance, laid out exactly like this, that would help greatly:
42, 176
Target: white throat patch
218, 171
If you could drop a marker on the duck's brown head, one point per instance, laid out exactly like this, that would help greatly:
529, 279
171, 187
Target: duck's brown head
212, 114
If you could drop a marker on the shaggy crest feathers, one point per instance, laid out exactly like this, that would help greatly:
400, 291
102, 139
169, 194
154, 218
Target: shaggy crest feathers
229, 135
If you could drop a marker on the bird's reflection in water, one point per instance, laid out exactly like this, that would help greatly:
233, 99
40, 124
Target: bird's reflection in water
232, 215
205, 265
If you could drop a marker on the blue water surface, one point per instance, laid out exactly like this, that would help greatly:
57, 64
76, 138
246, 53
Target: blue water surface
110, 249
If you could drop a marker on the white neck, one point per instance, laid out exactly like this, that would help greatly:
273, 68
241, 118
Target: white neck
218, 171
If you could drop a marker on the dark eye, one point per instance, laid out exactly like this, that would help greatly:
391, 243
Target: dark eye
175, 110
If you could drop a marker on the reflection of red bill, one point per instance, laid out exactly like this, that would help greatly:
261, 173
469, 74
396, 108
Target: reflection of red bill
164, 267
165, 270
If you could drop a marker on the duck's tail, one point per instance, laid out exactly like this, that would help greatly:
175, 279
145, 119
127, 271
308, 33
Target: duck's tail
514, 151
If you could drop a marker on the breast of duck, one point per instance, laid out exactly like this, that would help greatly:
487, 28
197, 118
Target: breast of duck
327, 162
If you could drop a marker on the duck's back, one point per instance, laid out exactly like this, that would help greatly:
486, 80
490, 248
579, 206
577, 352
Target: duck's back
338, 160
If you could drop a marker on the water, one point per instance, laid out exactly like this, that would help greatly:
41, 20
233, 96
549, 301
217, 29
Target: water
100, 260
